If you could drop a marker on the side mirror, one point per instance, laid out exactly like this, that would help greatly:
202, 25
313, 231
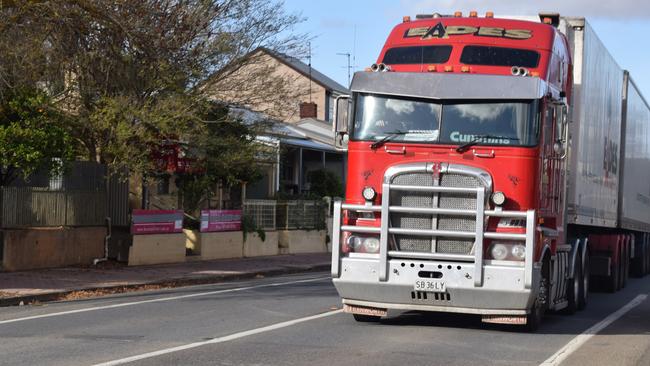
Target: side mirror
341, 109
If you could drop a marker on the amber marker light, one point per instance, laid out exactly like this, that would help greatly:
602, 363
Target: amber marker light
458, 14
473, 14
464, 69
489, 14
449, 68
431, 68
534, 73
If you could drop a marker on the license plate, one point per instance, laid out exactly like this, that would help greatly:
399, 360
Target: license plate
430, 286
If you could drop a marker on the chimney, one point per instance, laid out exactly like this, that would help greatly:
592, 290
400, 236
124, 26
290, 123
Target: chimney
308, 110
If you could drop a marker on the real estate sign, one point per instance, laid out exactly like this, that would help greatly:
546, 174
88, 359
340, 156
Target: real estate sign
156, 222
220, 220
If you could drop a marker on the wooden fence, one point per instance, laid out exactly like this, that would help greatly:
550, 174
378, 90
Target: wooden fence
37, 206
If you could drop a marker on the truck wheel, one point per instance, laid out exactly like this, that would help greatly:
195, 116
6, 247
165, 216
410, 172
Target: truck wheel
536, 314
584, 288
574, 288
366, 318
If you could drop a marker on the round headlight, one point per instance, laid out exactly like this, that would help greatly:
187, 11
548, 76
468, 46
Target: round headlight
371, 245
498, 198
354, 242
368, 193
499, 252
519, 252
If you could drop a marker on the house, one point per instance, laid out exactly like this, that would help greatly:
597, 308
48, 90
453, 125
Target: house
305, 92
300, 138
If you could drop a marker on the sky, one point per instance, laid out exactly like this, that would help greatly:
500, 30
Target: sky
360, 27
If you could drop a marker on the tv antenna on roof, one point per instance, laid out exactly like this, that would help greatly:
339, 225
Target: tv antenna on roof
349, 67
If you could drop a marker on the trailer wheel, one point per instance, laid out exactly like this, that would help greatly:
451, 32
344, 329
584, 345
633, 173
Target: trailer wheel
366, 318
584, 288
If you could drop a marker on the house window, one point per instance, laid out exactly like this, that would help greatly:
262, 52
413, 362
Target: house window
329, 106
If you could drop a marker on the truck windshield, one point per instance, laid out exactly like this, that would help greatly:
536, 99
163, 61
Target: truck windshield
450, 122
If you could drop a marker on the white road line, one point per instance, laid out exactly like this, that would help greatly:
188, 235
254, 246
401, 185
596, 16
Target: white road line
218, 340
121, 305
579, 340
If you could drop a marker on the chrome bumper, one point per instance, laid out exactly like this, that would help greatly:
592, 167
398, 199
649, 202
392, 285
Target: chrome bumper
474, 284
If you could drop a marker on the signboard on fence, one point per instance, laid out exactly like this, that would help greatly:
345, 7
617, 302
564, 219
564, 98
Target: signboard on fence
156, 222
220, 220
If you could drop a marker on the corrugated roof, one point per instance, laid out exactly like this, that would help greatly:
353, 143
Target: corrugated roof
303, 68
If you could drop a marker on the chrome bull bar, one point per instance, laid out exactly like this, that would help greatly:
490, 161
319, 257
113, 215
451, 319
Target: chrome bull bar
478, 235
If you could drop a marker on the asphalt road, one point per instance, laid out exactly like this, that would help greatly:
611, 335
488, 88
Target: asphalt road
292, 320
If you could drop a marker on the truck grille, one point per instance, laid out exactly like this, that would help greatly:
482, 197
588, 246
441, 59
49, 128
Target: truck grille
433, 222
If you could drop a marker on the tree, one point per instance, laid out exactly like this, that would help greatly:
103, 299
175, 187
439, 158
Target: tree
228, 154
130, 74
32, 137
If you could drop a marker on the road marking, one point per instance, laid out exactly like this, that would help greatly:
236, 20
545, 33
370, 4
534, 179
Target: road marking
227, 338
121, 305
579, 340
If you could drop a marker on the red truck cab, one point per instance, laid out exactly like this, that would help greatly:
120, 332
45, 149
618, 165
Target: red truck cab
456, 162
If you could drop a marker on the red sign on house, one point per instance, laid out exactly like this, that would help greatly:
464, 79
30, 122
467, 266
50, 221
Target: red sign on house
220, 220
156, 222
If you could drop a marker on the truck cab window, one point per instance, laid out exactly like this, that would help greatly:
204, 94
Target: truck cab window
503, 123
499, 56
377, 117
417, 55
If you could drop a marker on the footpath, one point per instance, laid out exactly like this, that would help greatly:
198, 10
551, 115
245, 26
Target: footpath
110, 277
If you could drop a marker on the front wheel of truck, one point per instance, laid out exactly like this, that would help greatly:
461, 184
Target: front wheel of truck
536, 314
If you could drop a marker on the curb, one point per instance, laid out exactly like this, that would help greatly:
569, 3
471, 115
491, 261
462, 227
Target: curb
166, 283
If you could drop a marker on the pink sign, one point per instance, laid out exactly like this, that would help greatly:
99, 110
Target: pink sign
220, 220
156, 222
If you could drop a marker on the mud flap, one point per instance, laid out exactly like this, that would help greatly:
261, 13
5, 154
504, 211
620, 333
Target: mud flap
504, 319
364, 310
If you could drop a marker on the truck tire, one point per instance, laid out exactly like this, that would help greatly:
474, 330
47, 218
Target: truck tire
366, 318
584, 288
536, 315
574, 286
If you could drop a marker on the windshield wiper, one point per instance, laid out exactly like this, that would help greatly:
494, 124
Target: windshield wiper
385, 139
477, 140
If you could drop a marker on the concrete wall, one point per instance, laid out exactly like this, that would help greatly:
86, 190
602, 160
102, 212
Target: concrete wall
193, 241
302, 241
157, 249
229, 244
255, 247
51, 247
